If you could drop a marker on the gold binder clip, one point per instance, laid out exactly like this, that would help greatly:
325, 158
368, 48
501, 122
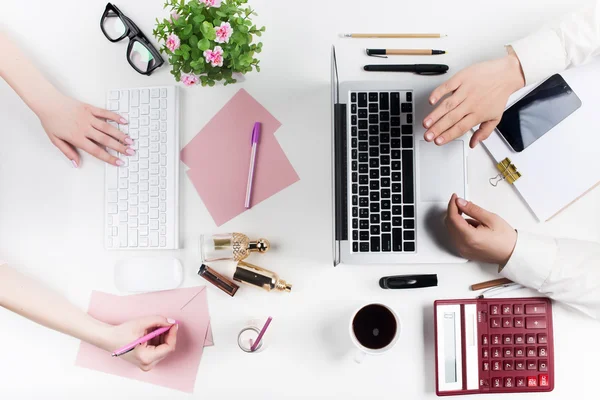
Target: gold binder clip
508, 172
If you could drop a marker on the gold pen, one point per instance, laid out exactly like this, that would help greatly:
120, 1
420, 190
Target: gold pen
403, 52
394, 35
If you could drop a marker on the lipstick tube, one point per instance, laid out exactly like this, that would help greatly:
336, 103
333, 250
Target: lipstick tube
218, 280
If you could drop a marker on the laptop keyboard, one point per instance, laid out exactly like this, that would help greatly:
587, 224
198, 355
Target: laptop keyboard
382, 172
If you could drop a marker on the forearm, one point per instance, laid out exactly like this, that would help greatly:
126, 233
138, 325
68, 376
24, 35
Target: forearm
563, 269
32, 300
25, 79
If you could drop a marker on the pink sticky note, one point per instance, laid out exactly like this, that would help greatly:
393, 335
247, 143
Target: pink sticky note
219, 158
178, 371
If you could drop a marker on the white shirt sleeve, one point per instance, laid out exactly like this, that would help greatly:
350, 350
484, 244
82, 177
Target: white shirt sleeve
566, 270
573, 41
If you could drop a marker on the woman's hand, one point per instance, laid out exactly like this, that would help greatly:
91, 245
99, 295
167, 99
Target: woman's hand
486, 237
71, 124
146, 355
478, 95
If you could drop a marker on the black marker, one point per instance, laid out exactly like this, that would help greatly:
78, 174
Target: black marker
408, 281
419, 69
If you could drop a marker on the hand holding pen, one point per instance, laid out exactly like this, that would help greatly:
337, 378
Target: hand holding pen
149, 353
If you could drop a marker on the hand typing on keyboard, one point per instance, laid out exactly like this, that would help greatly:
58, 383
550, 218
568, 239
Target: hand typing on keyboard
71, 124
486, 237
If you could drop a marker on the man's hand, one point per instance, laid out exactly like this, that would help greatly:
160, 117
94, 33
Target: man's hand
478, 95
486, 237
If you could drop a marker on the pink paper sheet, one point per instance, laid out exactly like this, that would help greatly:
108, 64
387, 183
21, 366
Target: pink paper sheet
219, 157
178, 371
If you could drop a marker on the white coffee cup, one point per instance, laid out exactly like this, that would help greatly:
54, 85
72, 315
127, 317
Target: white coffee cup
370, 330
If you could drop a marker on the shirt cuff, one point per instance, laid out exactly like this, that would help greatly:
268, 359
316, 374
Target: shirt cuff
531, 261
541, 55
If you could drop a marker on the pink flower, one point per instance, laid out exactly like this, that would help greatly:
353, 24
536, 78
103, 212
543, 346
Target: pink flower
223, 32
175, 16
173, 42
189, 79
214, 57
211, 3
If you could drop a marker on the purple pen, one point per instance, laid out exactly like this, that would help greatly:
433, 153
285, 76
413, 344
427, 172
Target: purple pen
255, 136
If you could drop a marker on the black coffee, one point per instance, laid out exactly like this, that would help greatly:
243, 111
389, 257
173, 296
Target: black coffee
374, 326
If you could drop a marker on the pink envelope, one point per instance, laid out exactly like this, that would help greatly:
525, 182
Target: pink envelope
178, 371
219, 158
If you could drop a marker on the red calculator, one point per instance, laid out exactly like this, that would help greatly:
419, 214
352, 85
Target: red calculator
493, 346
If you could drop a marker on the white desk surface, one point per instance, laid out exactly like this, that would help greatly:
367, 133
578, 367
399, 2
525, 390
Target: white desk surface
51, 214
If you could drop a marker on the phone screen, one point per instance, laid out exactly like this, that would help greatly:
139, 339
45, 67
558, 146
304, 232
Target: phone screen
539, 111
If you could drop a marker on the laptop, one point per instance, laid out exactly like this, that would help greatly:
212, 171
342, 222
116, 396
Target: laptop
390, 187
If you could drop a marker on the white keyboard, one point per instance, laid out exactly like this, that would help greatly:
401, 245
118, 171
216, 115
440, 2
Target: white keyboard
142, 196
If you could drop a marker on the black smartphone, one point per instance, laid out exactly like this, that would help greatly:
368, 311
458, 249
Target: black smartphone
537, 112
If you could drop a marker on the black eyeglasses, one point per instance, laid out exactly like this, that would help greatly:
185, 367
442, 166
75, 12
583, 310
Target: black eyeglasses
141, 55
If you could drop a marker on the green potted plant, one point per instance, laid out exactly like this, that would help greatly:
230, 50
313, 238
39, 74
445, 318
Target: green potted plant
209, 40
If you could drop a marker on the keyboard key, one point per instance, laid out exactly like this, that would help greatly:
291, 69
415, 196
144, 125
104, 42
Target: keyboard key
531, 365
373, 118
353, 97
407, 142
519, 339
384, 116
497, 366
362, 113
397, 239
535, 323
385, 193
397, 188
485, 366
496, 352
375, 244
395, 121
508, 352
113, 95
384, 101
519, 365
496, 339
354, 223
374, 196
519, 322
518, 309
507, 322
542, 352
409, 211
386, 226
409, 246
373, 129
408, 176
375, 219
374, 207
397, 210
363, 168
363, 202
520, 382
373, 96
409, 224
364, 247
495, 322
395, 104
531, 352
362, 99
409, 96
535, 309
544, 380
409, 118
153, 239
395, 143
484, 340
407, 129
508, 382
395, 132
386, 216
407, 107
384, 126
363, 135
155, 92
396, 154
530, 338
485, 353
543, 366
409, 235
497, 382
375, 230
385, 204
542, 338
397, 222
386, 242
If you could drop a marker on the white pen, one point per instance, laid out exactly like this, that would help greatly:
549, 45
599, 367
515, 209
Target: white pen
255, 136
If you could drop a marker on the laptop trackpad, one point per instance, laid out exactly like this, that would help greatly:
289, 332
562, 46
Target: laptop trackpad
441, 171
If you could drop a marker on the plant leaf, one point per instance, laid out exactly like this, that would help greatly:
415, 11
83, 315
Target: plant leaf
193, 41
203, 44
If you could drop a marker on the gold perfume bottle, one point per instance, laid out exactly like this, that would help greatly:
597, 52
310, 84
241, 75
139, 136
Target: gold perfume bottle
230, 246
260, 277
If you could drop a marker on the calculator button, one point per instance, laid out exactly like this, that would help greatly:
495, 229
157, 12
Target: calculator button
520, 365
519, 322
495, 309
535, 309
531, 381
484, 340
520, 382
485, 353
484, 383
518, 309
535, 323
507, 322
495, 339
531, 365
531, 352
519, 339
508, 352
542, 338
507, 339
508, 382
485, 366
544, 381
497, 365
542, 352
495, 322
496, 353
519, 352
530, 339
508, 365
506, 309
497, 382
543, 366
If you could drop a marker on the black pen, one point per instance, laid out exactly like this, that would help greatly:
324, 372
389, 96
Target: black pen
408, 281
419, 69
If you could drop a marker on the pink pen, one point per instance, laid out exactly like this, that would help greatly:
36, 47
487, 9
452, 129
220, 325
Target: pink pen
143, 339
255, 136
